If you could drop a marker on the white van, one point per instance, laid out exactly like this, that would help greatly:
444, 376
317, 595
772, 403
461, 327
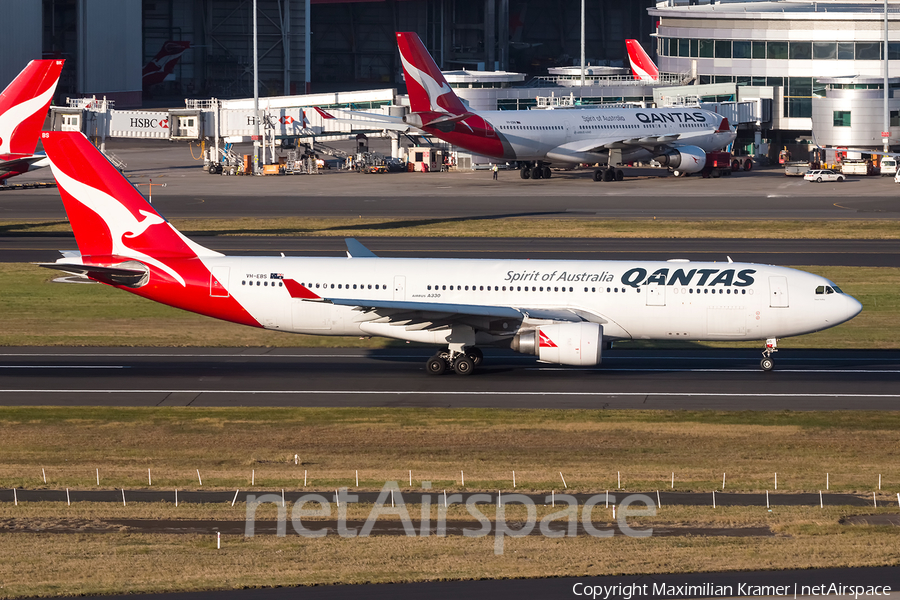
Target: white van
888, 166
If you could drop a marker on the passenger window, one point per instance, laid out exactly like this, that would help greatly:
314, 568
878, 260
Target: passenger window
243, 283
257, 284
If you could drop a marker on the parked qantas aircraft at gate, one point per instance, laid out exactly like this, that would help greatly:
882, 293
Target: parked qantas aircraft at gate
563, 312
23, 108
678, 138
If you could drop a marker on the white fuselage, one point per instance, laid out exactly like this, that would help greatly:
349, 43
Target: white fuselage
631, 299
580, 135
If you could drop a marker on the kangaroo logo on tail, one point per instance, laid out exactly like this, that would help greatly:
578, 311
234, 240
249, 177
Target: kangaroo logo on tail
642, 65
435, 94
23, 106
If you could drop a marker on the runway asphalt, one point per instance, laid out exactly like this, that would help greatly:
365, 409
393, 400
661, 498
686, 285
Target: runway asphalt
619, 587
647, 379
191, 192
857, 253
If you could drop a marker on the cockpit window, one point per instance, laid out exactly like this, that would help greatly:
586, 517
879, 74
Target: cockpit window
829, 289
820, 289
838, 290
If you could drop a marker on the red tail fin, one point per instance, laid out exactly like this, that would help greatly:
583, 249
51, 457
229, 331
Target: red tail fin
641, 64
163, 64
109, 217
428, 90
23, 106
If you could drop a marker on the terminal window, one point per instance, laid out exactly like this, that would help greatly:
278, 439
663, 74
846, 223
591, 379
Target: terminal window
824, 50
842, 118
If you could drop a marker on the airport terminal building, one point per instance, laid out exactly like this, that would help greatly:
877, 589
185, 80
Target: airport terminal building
821, 62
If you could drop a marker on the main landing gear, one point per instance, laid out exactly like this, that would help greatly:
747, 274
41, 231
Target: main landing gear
462, 363
534, 171
609, 175
767, 363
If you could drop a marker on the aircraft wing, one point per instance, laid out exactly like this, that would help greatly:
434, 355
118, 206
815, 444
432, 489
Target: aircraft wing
364, 120
436, 315
651, 142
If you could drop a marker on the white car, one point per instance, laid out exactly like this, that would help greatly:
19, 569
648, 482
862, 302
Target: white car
897, 177
823, 175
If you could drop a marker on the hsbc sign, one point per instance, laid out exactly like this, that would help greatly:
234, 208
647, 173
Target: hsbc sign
139, 124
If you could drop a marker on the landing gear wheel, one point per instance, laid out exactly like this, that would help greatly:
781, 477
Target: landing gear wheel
525, 173
598, 175
463, 365
609, 175
546, 172
476, 355
766, 364
536, 173
436, 365
619, 175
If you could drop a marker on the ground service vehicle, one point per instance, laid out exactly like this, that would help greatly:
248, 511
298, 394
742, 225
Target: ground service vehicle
820, 175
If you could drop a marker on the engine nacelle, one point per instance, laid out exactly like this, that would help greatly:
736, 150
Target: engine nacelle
576, 344
689, 159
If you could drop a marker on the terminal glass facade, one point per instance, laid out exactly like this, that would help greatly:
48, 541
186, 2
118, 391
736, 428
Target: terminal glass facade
772, 50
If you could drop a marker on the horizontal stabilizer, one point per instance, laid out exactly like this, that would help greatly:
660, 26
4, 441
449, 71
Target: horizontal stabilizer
133, 275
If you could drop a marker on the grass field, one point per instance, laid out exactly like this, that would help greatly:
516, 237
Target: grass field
70, 564
589, 447
503, 226
34, 311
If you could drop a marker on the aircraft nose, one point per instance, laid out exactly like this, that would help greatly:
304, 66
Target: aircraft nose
851, 307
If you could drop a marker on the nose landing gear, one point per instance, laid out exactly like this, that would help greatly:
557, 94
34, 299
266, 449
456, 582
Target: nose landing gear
766, 364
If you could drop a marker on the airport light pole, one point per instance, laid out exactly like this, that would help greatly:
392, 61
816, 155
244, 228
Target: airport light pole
886, 130
582, 46
256, 139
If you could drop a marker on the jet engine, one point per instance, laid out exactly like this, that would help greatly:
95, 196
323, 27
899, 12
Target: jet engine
576, 344
689, 159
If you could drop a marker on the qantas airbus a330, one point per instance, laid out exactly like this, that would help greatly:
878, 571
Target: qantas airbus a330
561, 311
678, 138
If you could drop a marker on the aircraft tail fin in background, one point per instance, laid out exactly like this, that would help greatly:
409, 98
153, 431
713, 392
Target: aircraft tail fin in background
23, 106
163, 64
110, 218
641, 64
428, 91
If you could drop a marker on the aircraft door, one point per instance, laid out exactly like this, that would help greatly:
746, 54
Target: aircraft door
218, 282
778, 292
399, 287
568, 131
656, 294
